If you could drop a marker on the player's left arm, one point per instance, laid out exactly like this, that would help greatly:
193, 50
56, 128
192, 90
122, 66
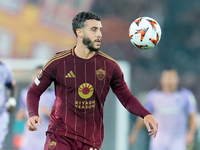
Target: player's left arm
131, 103
192, 128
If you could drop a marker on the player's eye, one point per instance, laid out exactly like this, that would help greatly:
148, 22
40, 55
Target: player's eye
94, 29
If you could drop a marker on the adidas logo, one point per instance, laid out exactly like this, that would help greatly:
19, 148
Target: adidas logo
70, 75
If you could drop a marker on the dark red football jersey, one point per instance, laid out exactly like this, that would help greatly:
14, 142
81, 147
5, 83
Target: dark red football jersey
81, 87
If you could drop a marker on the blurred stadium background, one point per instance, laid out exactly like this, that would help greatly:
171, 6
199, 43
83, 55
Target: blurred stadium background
31, 31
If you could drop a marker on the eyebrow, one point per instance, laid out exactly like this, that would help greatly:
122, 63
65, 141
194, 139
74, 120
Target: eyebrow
97, 27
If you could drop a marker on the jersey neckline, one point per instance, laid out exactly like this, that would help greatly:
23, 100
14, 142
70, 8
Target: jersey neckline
73, 52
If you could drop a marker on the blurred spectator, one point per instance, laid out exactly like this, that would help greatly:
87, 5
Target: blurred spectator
24, 139
6, 105
171, 106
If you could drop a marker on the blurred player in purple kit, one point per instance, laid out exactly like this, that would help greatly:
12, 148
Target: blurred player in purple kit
6, 104
171, 106
82, 77
35, 140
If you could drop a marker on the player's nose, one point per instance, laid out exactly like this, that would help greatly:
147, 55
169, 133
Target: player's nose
99, 33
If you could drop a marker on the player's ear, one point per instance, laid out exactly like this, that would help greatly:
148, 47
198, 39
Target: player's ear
79, 33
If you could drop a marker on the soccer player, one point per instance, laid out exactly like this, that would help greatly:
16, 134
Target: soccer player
35, 140
6, 104
82, 77
171, 106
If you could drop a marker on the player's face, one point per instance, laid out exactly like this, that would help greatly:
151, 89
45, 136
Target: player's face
92, 35
169, 80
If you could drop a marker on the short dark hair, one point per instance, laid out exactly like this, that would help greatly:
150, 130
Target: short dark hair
169, 67
79, 20
39, 67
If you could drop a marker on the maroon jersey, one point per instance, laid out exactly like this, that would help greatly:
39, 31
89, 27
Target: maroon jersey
81, 87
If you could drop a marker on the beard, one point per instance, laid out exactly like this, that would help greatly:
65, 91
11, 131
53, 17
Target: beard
89, 44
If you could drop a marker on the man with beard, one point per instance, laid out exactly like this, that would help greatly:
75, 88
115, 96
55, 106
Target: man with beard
82, 77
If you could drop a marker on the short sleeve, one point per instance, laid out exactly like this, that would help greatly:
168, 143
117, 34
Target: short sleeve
191, 103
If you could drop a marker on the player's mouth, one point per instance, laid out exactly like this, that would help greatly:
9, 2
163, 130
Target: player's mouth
98, 41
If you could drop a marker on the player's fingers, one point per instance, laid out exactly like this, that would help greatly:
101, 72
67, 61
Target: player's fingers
155, 128
152, 128
151, 125
31, 125
147, 126
39, 120
151, 133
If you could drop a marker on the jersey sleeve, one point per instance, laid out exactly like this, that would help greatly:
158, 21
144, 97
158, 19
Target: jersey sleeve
123, 93
41, 83
191, 103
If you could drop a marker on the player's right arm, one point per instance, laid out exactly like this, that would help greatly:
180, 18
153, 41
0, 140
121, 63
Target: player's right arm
41, 83
33, 97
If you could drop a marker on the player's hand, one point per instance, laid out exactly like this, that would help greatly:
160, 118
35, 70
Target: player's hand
32, 121
151, 125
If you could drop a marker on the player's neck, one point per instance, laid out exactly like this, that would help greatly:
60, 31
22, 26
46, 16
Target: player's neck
169, 90
83, 52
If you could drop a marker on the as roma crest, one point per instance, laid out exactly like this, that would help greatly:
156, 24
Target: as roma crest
52, 145
100, 74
